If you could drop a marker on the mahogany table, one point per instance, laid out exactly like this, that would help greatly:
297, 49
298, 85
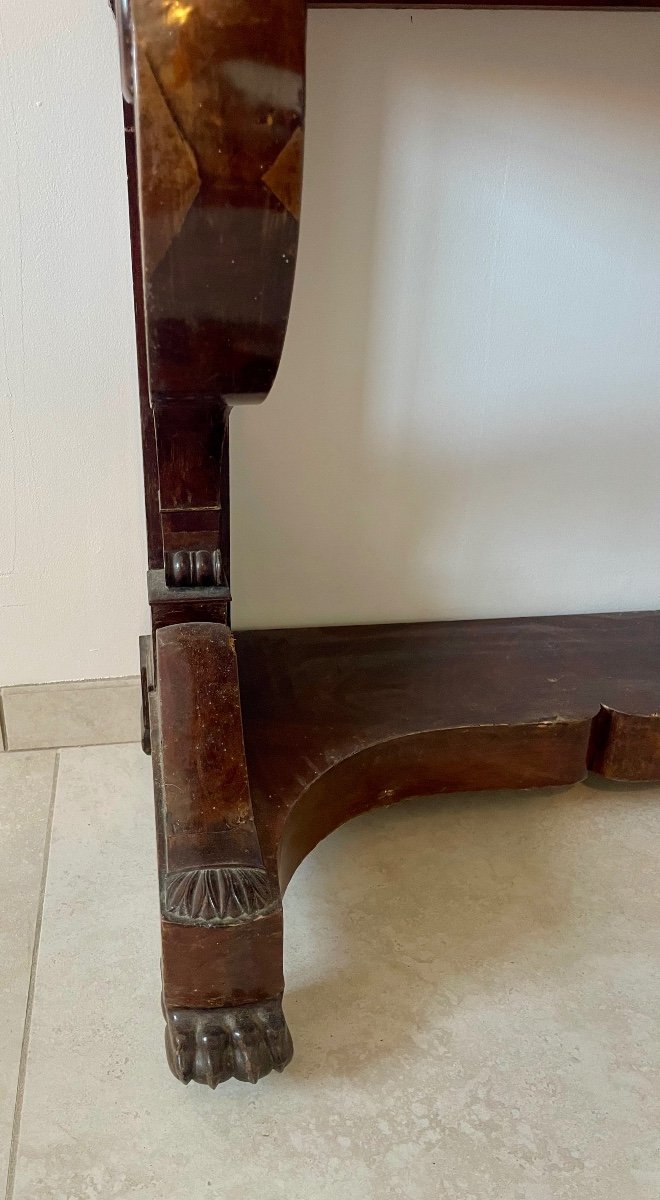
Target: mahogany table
264, 742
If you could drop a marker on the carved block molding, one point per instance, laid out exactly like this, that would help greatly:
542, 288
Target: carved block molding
193, 568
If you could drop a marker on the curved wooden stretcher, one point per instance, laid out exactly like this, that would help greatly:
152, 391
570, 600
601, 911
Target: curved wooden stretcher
264, 742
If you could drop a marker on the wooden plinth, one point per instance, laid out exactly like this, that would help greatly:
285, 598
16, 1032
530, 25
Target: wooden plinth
337, 721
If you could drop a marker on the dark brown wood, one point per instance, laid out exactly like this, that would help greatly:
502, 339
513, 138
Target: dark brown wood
146, 686
213, 116
223, 966
532, 755
246, 1042
221, 909
265, 742
171, 605
212, 871
340, 720
214, 153
149, 459
219, 98
626, 746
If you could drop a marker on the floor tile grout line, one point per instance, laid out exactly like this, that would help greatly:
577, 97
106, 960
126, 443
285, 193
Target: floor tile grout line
25, 1043
74, 685
73, 746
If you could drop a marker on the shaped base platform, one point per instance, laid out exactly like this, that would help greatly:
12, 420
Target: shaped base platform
264, 742
340, 720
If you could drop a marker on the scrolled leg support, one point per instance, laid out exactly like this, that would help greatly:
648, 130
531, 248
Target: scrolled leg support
214, 105
221, 909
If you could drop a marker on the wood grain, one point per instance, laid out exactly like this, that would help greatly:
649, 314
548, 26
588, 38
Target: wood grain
341, 719
258, 757
222, 967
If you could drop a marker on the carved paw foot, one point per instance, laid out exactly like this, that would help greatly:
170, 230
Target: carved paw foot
212, 1045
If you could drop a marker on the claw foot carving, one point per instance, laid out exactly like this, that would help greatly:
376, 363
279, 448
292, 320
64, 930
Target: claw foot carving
211, 1045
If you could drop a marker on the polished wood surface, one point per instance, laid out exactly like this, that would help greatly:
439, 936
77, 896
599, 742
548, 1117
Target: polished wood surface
264, 742
333, 722
340, 720
222, 967
214, 149
219, 90
213, 111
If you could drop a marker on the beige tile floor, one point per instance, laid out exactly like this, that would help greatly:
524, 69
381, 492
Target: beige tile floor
473, 989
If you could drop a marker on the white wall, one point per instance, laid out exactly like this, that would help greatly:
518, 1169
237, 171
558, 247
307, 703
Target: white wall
71, 541
467, 417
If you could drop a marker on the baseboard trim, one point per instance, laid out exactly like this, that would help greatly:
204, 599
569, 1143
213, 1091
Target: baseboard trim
91, 712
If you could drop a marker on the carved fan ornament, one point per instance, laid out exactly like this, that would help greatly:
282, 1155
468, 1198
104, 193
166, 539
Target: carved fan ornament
218, 895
